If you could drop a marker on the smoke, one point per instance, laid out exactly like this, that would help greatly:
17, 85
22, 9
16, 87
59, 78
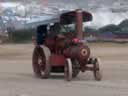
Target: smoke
102, 17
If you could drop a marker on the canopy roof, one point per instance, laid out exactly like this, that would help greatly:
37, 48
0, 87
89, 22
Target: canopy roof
66, 17
69, 17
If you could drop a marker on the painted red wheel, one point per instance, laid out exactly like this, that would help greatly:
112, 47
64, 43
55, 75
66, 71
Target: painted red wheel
68, 70
97, 69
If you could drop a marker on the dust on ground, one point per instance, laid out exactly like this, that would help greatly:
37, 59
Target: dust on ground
17, 79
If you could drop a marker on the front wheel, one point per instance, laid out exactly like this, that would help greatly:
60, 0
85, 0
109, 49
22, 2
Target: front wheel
76, 67
68, 70
97, 69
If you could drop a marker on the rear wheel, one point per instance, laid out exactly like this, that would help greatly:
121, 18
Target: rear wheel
68, 70
39, 63
97, 69
47, 70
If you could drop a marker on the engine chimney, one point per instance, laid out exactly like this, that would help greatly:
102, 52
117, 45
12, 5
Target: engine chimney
79, 23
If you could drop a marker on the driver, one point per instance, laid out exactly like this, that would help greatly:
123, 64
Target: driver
41, 34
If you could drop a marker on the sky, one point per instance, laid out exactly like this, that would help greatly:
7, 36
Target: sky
109, 11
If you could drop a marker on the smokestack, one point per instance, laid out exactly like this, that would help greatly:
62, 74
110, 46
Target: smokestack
79, 23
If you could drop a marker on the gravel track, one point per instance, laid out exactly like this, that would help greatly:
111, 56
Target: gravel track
17, 79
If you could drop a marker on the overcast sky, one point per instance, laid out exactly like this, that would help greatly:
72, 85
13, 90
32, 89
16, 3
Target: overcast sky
99, 8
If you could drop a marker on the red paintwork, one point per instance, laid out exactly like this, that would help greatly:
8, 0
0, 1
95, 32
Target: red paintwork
75, 40
75, 52
69, 46
50, 43
57, 60
56, 45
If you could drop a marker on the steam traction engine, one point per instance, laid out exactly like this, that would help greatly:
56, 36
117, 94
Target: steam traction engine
66, 54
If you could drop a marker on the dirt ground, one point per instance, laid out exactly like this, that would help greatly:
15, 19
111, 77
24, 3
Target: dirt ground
17, 79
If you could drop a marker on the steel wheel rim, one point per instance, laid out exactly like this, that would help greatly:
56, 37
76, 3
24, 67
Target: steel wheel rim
97, 69
68, 70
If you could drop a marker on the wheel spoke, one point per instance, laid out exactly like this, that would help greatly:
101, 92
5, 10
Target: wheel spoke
39, 62
75, 68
